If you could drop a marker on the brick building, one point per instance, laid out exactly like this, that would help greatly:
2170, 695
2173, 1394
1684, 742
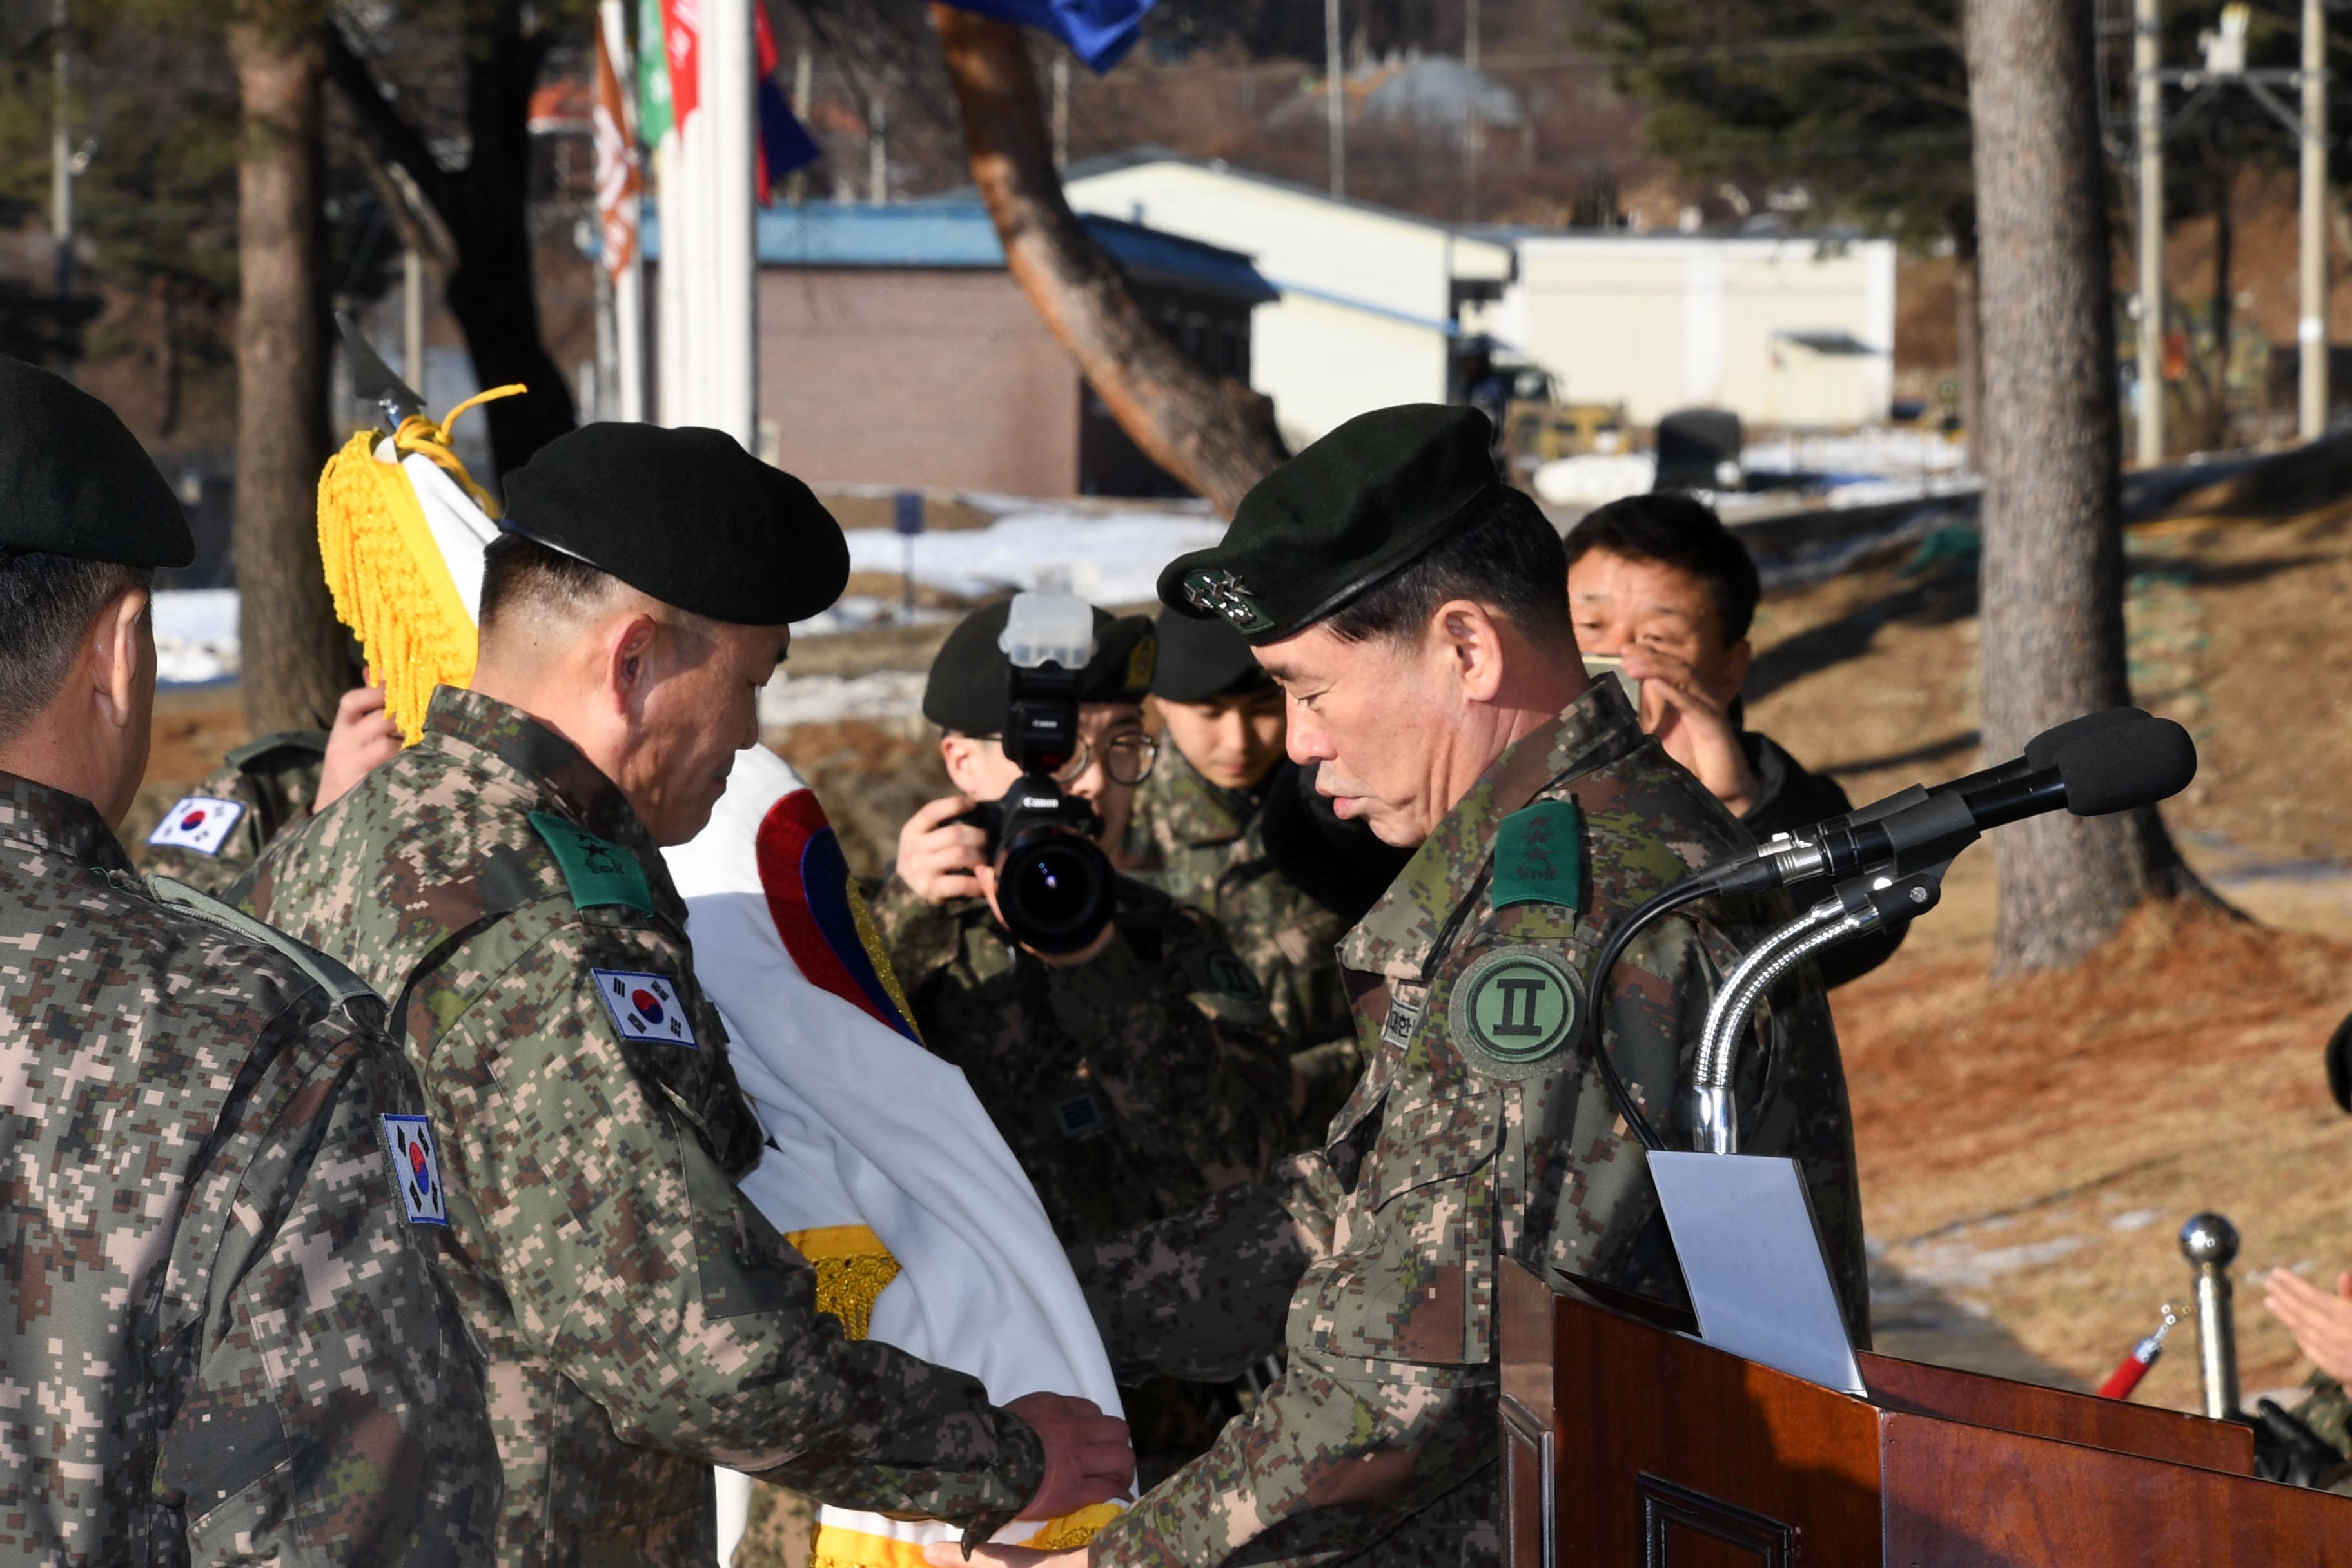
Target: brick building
895, 349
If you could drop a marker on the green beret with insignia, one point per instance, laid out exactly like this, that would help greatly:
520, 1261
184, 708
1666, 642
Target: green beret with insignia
1201, 660
684, 516
1366, 501
971, 676
75, 482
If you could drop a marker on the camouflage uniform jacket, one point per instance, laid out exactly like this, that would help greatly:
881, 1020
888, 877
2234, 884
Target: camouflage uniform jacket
1206, 846
273, 779
224, 1333
642, 1319
1481, 1131
1130, 1087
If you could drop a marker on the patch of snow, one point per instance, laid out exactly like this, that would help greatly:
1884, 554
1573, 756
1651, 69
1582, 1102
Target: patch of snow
822, 699
2135, 1220
1112, 558
1595, 479
1861, 452
195, 636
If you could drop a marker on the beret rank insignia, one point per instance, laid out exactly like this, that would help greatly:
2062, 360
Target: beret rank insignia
1221, 593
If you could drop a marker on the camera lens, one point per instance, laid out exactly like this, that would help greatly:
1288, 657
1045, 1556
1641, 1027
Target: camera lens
1054, 890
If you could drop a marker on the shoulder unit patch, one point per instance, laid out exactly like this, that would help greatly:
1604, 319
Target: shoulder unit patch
597, 871
198, 822
1514, 1011
417, 1169
646, 1008
1540, 857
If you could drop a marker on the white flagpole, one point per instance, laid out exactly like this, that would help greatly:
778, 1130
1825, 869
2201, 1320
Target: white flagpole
728, 125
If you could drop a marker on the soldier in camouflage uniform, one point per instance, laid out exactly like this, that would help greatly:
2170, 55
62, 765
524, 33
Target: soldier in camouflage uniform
501, 882
1199, 832
266, 788
223, 1327
1410, 606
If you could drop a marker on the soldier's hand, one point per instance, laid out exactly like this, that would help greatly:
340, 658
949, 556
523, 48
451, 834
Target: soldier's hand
986, 877
936, 854
363, 735
1693, 724
1088, 1455
2321, 1323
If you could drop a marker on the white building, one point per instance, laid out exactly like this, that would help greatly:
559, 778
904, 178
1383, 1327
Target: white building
1371, 298
1788, 330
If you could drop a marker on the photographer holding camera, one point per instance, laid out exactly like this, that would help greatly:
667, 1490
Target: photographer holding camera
1125, 1054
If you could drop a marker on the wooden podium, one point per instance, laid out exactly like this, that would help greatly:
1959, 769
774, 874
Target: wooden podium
1626, 1444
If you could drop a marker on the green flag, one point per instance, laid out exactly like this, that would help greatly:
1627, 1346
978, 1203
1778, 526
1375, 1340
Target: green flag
653, 75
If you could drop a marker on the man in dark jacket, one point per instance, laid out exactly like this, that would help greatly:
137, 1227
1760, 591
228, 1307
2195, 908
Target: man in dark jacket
1659, 581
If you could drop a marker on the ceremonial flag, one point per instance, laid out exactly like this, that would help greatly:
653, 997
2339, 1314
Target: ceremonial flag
619, 180
1098, 32
784, 142
654, 116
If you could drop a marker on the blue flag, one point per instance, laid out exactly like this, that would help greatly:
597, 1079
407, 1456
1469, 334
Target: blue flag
1098, 32
784, 142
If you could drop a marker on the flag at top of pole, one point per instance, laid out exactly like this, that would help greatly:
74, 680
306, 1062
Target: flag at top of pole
784, 142
1098, 32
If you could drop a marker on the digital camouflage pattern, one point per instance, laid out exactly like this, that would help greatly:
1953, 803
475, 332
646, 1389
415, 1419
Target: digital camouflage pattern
1130, 1087
276, 779
1480, 1133
642, 1319
1206, 846
223, 1337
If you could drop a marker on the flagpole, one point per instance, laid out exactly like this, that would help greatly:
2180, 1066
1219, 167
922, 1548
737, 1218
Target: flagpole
625, 296
730, 126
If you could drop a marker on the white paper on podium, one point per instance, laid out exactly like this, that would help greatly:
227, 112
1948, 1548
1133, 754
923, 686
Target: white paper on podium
1744, 1235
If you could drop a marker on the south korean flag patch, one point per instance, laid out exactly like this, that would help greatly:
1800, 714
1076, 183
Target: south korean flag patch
646, 1008
199, 822
417, 1169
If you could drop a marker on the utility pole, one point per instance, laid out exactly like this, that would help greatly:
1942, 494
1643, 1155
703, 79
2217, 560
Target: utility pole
1474, 126
1061, 111
61, 149
2311, 330
1335, 95
2150, 90
878, 149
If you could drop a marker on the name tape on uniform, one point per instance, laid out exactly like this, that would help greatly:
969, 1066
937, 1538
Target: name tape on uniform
199, 822
646, 1008
417, 1169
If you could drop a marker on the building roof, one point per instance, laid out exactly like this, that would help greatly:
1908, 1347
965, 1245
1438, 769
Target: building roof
959, 236
1137, 157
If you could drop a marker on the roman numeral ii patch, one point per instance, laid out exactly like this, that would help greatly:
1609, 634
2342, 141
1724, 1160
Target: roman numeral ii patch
646, 1008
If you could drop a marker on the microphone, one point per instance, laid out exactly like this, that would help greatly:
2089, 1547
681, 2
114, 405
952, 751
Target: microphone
2125, 759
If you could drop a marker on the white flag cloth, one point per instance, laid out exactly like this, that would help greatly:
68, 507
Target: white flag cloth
875, 1131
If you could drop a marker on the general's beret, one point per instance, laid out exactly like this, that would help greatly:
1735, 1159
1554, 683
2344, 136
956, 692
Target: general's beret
1367, 499
972, 677
684, 516
1199, 660
74, 483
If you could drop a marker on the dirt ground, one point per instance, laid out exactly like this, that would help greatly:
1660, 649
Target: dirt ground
2028, 1150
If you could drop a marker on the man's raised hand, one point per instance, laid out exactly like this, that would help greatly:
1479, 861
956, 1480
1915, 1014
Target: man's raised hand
936, 854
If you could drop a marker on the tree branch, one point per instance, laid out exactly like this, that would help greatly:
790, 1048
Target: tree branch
387, 129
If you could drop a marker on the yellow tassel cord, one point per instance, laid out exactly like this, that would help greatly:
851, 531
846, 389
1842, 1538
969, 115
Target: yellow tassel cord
877, 953
852, 1267
389, 585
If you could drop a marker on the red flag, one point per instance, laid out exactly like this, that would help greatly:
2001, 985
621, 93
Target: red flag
682, 37
619, 180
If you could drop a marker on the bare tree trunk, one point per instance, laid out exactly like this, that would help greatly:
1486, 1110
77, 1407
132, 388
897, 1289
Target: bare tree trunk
1215, 434
2053, 585
294, 668
484, 208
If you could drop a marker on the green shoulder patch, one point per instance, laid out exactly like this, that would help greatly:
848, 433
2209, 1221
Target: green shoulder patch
596, 871
1514, 1011
1540, 857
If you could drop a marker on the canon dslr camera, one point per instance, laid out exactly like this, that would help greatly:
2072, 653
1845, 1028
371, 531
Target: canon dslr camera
1054, 883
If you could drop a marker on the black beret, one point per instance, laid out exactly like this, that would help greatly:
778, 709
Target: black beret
1367, 499
971, 676
74, 483
685, 516
1199, 660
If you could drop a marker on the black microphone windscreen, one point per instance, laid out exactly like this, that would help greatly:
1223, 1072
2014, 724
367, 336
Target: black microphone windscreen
2127, 765
2041, 751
